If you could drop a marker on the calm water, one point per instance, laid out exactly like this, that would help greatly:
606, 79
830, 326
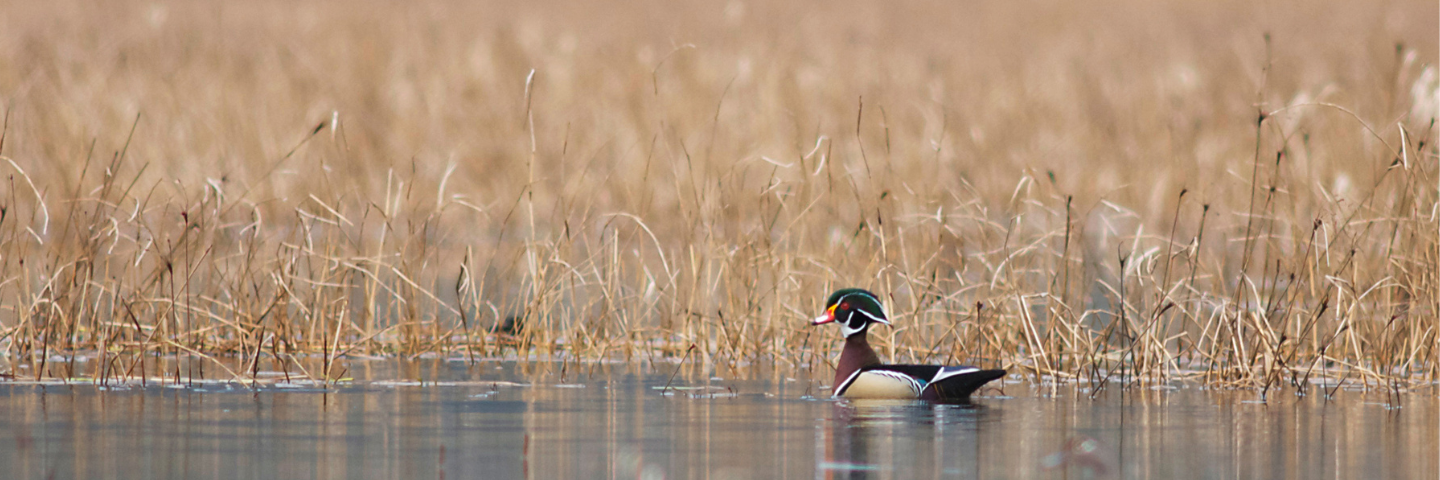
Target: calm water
617, 422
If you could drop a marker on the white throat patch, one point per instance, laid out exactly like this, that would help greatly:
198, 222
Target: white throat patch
845, 325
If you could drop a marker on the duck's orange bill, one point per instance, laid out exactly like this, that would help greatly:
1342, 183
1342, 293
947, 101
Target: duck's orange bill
828, 317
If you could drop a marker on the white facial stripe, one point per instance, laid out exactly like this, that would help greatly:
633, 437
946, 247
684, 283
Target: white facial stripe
845, 322
873, 317
883, 313
848, 295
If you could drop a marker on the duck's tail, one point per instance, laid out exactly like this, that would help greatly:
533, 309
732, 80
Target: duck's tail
957, 388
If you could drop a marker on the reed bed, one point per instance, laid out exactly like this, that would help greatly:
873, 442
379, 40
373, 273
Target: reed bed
1119, 193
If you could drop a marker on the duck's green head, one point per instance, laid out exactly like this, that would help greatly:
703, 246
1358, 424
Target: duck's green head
854, 309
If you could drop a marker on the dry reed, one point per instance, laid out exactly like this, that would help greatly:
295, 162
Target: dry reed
1121, 193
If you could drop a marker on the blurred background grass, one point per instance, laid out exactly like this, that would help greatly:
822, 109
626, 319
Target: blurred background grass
1063, 189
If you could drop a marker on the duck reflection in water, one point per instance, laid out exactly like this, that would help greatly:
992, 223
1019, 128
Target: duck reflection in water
1091, 456
901, 439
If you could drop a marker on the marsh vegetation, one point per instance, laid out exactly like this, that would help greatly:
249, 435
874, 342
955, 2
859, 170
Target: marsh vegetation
1117, 193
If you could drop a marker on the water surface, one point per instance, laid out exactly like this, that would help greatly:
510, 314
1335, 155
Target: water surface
516, 421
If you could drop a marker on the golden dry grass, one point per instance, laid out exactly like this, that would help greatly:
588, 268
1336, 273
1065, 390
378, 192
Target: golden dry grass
1119, 191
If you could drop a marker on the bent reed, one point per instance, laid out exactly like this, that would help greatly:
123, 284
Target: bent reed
1122, 193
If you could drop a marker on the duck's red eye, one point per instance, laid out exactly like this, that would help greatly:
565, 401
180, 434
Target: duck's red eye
845, 306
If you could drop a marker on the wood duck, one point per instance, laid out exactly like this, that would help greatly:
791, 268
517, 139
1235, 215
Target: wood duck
860, 374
